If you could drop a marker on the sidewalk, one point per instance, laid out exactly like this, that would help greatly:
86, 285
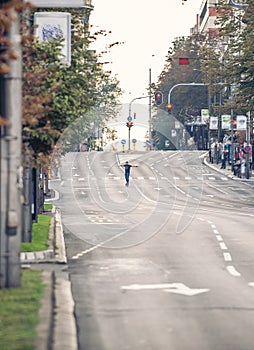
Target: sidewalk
228, 171
57, 326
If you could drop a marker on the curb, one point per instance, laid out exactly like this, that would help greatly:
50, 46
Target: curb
56, 329
65, 330
224, 172
56, 252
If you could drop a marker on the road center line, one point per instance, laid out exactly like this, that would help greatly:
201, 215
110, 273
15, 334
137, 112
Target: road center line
227, 257
233, 271
223, 246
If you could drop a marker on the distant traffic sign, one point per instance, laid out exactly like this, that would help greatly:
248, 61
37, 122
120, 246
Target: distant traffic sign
123, 141
247, 149
129, 119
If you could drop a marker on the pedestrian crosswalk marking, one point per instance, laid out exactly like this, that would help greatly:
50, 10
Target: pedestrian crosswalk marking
186, 178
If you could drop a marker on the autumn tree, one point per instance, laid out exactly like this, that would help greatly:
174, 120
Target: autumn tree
231, 60
69, 92
187, 101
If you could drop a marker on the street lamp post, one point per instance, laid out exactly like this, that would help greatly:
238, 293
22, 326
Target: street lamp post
130, 117
248, 143
183, 84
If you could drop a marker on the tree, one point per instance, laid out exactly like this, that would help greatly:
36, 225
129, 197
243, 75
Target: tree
234, 62
185, 100
65, 93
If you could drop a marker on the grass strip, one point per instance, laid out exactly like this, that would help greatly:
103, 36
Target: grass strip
19, 312
40, 233
47, 207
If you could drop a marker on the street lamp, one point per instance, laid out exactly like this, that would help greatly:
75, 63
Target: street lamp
130, 118
183, 84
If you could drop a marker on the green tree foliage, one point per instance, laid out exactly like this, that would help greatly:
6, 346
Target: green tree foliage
232, 53
186, 101
63, 93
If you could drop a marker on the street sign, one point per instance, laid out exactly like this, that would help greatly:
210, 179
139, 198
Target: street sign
247, 149
148, 143
134, 140
129, 119
123, 141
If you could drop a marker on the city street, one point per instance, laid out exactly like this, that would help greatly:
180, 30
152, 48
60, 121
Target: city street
166, 263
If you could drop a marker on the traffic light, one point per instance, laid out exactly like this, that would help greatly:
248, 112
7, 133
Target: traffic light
158, 96
184, 61
129, 124
169, 108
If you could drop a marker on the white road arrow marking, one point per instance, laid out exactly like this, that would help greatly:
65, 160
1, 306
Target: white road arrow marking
180, 288
176, 288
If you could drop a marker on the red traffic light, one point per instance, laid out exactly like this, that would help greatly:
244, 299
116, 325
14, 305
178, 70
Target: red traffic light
184, 61
129, 124
158, 97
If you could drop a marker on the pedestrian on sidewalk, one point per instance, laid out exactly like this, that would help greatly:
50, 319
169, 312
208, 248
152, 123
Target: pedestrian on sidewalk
127, 170
224, 159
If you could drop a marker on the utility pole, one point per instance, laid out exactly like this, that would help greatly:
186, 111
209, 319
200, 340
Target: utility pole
130, 118
248, 146
150, 106
11, 171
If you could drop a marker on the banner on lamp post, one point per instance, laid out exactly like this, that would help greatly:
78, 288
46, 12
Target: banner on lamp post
204, 115
213, 125
241, 122
225, 121
55, 26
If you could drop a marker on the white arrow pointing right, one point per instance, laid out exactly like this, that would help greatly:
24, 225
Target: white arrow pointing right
180, 288
176, 288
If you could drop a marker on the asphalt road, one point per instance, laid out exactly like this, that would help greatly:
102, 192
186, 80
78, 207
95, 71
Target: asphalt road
164, 264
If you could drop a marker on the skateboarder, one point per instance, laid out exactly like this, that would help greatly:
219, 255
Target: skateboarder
127, 169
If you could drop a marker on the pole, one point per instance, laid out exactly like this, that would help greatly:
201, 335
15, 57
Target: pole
129, 132
129, 139
248, 144
150, 107
27, 211
136, 98
12, 110
183, 84
232, 139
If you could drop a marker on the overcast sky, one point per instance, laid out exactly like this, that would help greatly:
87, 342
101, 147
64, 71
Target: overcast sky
146, 28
